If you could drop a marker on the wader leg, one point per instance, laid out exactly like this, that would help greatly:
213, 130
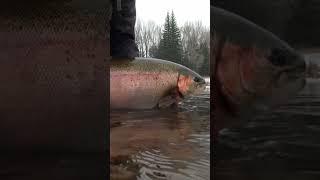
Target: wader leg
122, 35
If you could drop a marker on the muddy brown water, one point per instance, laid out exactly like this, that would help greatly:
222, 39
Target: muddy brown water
162, 144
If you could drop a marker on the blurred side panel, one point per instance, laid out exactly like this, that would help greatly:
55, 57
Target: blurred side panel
54, 86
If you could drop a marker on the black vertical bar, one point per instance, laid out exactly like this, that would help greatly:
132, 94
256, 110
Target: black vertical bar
212, 73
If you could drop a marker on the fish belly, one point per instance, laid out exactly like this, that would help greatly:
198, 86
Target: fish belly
137, 90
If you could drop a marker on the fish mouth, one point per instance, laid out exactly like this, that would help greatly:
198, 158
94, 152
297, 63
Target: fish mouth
202, 86
293, 77
296, 72
201, 83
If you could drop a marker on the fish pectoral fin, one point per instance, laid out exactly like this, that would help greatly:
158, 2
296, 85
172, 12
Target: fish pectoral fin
167, 101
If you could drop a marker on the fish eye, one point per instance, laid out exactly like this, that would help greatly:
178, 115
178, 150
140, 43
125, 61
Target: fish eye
278, 57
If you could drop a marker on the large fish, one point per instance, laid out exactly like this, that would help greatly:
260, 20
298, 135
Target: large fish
146, 83
253, 69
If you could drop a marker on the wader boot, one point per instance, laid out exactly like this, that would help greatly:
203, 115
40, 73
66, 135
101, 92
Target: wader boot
122, 34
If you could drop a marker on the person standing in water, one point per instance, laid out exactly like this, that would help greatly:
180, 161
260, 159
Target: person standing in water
122, 34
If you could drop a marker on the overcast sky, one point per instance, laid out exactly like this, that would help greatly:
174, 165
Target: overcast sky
184, 10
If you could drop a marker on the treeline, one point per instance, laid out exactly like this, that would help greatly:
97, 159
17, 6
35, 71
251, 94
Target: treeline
295, 21
187, 45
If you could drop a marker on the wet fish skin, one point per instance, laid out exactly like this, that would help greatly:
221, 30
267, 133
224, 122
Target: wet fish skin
253, 69
143, 82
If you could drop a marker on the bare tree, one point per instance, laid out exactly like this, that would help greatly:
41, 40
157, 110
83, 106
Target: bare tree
147, 36
139, 37
195, 38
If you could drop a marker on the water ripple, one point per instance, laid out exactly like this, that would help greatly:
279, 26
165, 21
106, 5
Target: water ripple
165, 144
281, 143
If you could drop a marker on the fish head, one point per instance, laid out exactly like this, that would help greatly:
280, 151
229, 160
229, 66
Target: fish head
189, 82
254, 69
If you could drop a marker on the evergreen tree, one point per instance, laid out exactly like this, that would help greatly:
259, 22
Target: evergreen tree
164, 41
176, 45
170, 47
153, 51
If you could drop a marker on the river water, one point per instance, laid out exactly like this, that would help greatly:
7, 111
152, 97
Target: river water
171, 144
284, 144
